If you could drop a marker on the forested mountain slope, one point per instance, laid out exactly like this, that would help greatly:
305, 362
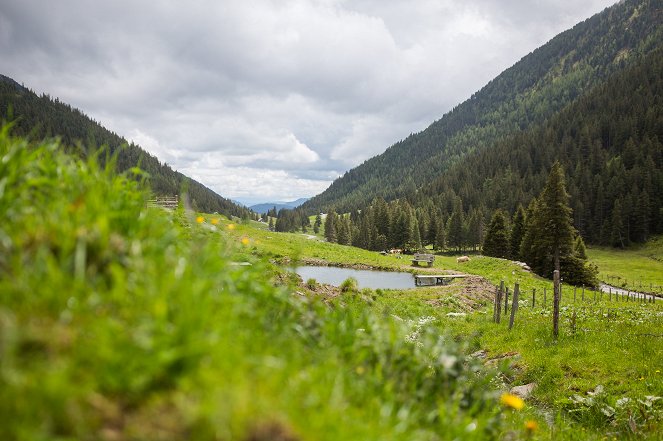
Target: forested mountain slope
532, 90
41, 117
610, 143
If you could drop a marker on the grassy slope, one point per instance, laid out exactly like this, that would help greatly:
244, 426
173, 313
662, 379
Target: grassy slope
635, 268
622, 352
121, 322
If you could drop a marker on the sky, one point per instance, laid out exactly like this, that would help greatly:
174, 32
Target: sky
271, 100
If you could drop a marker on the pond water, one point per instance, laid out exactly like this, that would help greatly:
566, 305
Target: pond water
365, 278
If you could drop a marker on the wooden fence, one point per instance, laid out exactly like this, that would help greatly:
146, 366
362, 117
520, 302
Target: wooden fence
577, 302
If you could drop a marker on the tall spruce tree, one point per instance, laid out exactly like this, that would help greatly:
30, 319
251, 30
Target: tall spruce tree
517, 232
330, 227
550, 237
317, 224
455, 237
496, 243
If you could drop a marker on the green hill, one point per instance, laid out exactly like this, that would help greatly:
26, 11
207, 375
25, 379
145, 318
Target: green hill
610, 142
43, 117
533, 90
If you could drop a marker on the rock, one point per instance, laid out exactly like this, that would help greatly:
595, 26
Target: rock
479, 354
456, 314
523, 391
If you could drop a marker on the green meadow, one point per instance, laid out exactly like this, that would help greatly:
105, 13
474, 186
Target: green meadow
120, 321
639, 267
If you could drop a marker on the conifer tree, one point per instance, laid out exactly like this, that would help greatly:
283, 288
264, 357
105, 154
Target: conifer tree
579, 248
517, 233
550, 237
330, 227
440, 236
455, 227
496, 243
342, 230
317, 224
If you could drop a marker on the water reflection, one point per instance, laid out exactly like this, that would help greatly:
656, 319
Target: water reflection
365, 278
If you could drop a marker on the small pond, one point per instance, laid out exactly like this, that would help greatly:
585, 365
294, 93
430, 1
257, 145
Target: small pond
365, 278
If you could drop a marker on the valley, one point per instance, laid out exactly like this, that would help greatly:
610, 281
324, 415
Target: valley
496, 275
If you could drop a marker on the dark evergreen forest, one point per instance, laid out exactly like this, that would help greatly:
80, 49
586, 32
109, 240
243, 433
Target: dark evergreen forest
39, 117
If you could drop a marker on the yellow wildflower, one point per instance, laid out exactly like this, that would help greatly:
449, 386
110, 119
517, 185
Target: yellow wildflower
512, 401
531, 425
245, 240
215, 221
360, 370
231, 226
200, 219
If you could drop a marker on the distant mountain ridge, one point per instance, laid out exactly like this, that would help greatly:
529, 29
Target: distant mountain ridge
40, 117
534, 89
264, 207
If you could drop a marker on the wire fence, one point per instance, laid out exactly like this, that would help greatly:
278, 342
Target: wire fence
581, 309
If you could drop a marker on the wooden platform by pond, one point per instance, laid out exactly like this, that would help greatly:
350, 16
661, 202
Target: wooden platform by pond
436, 280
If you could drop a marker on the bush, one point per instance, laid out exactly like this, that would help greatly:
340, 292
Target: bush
349, 285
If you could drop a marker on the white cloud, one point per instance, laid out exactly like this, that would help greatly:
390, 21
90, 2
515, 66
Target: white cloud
271, 98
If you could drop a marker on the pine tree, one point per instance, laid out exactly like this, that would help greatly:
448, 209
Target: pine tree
317, 224
343, 230
517, 233
455, 228
617, 234
440, 236
550, 237
579, 248
553, 223
496, 243
330, 227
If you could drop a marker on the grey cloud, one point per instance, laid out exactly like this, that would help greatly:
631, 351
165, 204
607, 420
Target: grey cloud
291, 94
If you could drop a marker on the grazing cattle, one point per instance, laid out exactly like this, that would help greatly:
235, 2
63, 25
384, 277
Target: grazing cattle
395, 251
462, 259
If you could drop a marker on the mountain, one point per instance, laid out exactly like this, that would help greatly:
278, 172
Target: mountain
266, 206
530, 92
610, 144
40, 117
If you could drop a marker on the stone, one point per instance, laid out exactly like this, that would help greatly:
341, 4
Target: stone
523, 391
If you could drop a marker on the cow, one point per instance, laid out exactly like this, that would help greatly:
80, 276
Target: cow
462, 259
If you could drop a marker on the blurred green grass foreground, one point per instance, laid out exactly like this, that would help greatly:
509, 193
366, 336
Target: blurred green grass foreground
121, 321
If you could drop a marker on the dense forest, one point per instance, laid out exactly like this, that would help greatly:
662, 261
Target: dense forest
610, 142
41, 117
527, 94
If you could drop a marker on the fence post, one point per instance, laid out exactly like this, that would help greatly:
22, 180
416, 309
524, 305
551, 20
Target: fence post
497, 290
506, 301
533, 297
514, 305
499, 301
556, 298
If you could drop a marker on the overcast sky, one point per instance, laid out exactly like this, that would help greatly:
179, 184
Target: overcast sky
269, 100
